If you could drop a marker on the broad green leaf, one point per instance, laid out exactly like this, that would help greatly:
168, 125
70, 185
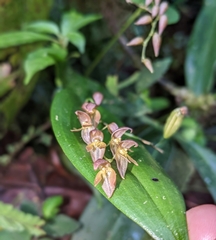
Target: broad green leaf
173, 15
73, 21
61, 225
12, 39
101, 220
201, 54
144, 79
205, 161
78, 40
157, 206
43, 27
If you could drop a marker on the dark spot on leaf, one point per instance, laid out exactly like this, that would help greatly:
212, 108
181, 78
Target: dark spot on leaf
155, 179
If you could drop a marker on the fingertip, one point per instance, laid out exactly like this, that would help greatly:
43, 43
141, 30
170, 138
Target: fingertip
201, 222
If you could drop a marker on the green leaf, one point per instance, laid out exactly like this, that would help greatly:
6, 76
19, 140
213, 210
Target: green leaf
201, 54
43, 27
173, 15
112, 84
156, 206
12, 39
61, 225
144, 79
72, 21
205, 161
35, 62
51, 205
12, 219
109, 223
7, 235
78, 40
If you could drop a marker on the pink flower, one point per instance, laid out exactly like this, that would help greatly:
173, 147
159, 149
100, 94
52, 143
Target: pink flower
97, 147
106, 175
122, 158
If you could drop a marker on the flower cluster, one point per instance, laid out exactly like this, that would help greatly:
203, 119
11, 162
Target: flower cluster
89, 119
157, 18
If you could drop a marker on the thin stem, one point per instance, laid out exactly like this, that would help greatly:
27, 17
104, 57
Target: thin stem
145, 43
112, 41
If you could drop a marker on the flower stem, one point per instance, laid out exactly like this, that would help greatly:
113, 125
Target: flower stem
145, 43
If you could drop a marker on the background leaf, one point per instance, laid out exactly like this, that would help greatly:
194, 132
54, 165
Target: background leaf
201, 53
73, 21
156, 206
14, 220
78, 40
173, 15
37, 61
43, 27
109, 223
205, 161
61, 225
12, 39
144, 79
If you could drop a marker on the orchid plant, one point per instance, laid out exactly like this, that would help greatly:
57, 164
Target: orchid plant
93, 137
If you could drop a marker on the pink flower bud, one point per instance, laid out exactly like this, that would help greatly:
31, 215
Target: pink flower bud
155, 11
162, 23
157, 2
98, 98
147, 62
148, 2
156, 42
146, 19
163, 7
135, 41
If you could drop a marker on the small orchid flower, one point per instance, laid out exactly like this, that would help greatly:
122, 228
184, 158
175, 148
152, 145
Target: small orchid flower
122, 158
116, 134
86, 124
90, 109
97, 147
106, 175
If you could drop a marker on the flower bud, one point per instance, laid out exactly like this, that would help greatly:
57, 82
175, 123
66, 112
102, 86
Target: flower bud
155, 11
162, 23
146, 19
148, 2
147, 62
98, 98
174, 121
163, 7
156, 42
157, 2
135, 41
